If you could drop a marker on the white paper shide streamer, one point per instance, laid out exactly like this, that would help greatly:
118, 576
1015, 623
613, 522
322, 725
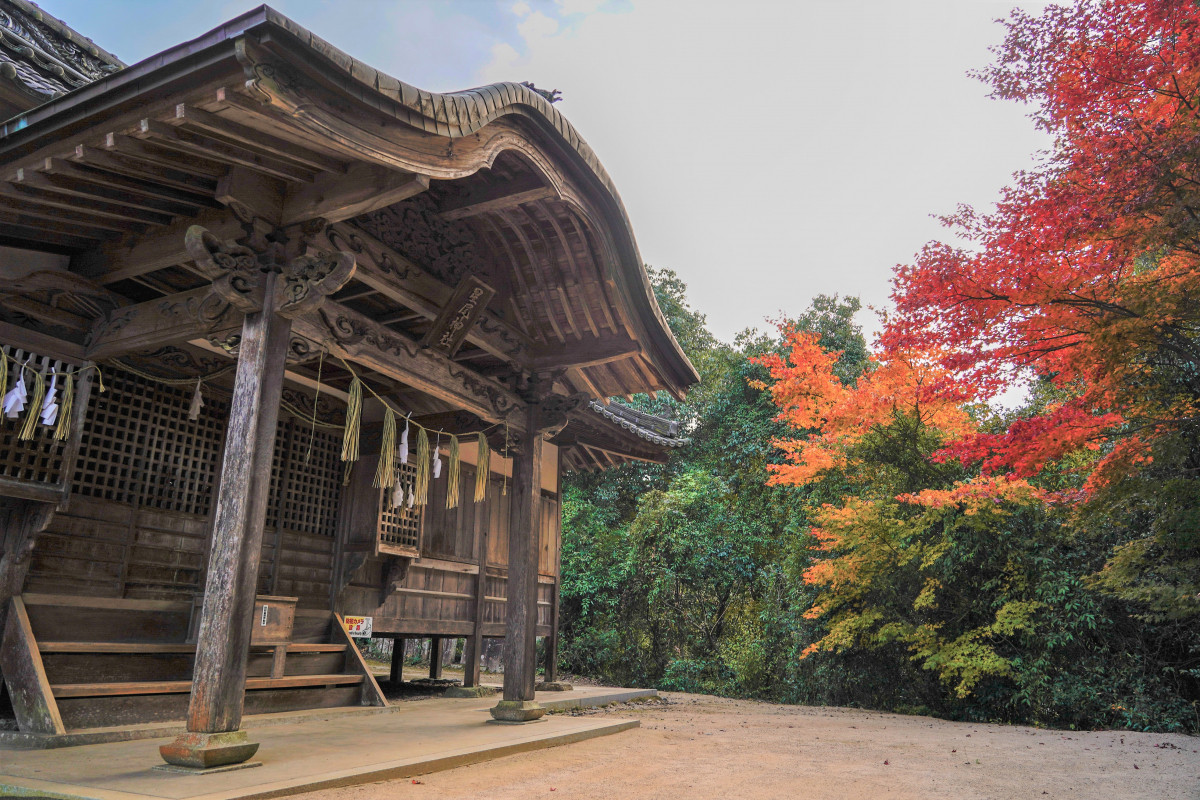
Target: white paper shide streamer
398, 495
197, 403
404, 444
49, 412
437, 457
17, 397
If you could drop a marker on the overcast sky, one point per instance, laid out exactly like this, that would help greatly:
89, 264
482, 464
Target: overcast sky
765, 151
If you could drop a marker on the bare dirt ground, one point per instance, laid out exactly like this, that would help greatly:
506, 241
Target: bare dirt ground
695, 746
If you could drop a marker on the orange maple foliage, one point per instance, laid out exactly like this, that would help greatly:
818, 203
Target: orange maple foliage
812, 398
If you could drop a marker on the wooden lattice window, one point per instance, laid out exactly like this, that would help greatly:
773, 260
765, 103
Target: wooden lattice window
139, 447
305, 483
38, 460
400, 528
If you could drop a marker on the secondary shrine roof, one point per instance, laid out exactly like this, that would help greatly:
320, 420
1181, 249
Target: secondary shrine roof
41, 57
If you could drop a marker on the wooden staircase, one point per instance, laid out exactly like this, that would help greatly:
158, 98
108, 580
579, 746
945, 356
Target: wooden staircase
101, 662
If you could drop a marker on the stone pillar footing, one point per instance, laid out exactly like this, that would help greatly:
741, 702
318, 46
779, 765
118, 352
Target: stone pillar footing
554, 686
204, 751
470, 691
517, 711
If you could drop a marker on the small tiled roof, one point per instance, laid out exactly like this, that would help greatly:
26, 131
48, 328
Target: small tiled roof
42, 57
659, 430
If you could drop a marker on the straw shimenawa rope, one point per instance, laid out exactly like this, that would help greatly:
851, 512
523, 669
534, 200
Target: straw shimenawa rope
421, 487
385, 473
63, 429
35, 406
483, 468
353, 421
453, 478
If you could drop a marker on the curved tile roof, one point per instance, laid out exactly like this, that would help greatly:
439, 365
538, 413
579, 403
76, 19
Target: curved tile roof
43, 56
452, 115
658, 430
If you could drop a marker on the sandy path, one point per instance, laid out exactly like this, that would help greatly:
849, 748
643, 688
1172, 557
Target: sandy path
705, 747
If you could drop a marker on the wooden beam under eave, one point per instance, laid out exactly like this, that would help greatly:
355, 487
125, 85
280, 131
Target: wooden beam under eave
150, 253
497, 198
355, 337
166, 320
40, 343
579, 355
288, 374
380, 267
336, 197
48, 314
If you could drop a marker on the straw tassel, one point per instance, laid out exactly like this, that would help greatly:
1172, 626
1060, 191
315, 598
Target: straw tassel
482, 469
63, 429
455, 473
385, 473
421, 486
35, 406
353, 421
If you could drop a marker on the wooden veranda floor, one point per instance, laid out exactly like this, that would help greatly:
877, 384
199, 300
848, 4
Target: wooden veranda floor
306, 751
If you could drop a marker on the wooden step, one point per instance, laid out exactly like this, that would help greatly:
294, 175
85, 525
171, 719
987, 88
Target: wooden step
180, 687
146, 647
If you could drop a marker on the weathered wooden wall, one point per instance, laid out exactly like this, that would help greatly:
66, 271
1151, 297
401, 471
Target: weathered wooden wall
437, 594
138, 522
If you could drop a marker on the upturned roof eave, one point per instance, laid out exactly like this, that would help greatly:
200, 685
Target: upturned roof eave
25, 132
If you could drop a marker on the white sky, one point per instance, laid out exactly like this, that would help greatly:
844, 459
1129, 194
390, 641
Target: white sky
765, 151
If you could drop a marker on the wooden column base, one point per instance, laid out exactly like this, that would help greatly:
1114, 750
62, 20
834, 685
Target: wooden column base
209, 751
517, 711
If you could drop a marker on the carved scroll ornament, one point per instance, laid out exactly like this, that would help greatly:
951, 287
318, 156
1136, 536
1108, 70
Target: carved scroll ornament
239, 273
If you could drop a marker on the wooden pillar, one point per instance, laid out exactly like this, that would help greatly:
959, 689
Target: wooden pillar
396, 675
520, 642
218, 684
473, 650
551, 676
435, 658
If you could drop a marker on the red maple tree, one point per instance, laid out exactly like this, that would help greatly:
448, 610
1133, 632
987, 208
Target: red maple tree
1087, 273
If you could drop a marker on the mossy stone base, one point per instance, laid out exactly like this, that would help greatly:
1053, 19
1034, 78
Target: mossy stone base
555, 686
517, 711
208, 750
470, 691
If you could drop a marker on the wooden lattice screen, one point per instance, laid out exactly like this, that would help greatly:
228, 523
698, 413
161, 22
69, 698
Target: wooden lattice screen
38, 460
139, 447
400, 528
305, 482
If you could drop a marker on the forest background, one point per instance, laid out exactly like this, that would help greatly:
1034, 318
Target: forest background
858, 524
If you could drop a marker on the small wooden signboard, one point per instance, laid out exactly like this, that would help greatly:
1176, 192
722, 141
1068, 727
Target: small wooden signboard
458, 316
273, 619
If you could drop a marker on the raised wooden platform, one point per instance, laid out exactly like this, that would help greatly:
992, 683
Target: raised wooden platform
316, 750
82, 663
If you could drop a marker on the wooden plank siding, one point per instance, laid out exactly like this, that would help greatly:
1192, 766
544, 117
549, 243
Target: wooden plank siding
138, 524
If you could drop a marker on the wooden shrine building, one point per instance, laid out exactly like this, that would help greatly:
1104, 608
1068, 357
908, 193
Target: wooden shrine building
286, 339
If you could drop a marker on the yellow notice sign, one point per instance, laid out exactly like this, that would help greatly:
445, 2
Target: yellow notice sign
360, 627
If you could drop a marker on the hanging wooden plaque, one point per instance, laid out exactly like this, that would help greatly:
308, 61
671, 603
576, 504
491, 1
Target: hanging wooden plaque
458, 316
